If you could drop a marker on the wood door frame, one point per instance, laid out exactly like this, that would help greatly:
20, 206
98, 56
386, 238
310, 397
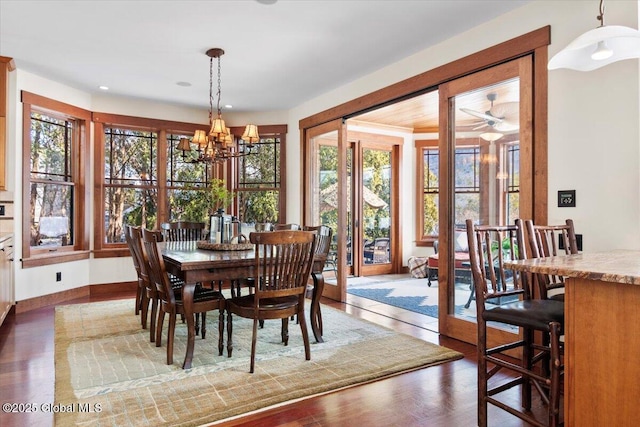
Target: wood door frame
340, 292
393, 144
449, 324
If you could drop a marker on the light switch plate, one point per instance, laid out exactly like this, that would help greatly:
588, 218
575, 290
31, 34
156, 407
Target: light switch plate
566, 198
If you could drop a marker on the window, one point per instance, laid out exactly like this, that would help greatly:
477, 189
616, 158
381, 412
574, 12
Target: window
186, 185
467, 187
142, 178
55, 156
130, 181
511, 178
259, 188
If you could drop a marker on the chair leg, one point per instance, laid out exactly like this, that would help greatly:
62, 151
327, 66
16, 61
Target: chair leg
159, 328
482, 375
254, 338
556, 367
170, 337
229, 331
220, 332
144, 308
139, 294
204, 324
305, 332
284, 331
527, 355
154, 314
197, 323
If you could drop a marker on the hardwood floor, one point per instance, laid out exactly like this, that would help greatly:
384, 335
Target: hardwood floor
442, 395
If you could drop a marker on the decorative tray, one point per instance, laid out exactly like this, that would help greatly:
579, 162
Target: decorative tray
203, 244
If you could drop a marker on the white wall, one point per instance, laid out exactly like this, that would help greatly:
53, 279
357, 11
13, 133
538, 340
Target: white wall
593, 134
593, 117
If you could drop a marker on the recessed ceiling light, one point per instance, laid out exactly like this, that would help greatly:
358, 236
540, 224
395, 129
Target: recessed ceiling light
104, 87
228, 106
184, 84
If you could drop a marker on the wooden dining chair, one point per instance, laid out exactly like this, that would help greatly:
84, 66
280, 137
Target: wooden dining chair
182, 231
504, 295
286, 227
170, 302
283, 261
150, 296
324, 235
140, 291
548, 241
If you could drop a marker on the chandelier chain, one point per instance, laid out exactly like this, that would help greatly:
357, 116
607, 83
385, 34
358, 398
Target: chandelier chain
219, 88
210, 89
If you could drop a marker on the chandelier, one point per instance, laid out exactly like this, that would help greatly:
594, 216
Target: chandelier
219, 145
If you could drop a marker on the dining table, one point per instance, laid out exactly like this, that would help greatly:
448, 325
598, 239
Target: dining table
194, 265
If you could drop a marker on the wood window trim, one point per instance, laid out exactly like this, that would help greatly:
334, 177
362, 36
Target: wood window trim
80, 250
421, 239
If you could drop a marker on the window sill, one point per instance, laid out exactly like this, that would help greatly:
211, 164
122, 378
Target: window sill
112, 253
58, 258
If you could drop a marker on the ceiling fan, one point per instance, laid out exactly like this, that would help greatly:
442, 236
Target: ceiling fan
503, 117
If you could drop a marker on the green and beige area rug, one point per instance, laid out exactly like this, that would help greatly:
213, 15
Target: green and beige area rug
108, 373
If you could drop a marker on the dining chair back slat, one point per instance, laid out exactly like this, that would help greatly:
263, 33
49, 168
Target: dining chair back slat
182, 231
544, 241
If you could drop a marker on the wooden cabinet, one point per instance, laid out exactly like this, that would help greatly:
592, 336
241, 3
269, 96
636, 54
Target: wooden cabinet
6, 66
6, 275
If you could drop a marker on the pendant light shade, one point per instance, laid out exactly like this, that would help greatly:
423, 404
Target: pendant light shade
598, 47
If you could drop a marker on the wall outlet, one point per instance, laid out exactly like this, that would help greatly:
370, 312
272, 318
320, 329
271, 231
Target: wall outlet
58, 276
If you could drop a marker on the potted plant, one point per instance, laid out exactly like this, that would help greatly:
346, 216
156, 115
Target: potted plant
218, 196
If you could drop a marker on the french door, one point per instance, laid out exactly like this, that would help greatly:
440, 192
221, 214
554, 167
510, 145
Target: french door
326, 201
486, 160
352, 186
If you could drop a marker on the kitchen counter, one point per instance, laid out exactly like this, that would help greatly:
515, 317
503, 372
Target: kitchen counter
620, 266
602, 313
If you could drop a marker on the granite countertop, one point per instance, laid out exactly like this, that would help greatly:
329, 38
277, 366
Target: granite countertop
619, 266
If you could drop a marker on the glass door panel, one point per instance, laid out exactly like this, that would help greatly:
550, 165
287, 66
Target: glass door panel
483, 166
325, 200
376, 206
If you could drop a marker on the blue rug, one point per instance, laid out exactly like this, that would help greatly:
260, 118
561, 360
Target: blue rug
411, 303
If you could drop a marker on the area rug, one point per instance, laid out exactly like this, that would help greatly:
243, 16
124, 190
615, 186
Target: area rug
410, 294
108, 373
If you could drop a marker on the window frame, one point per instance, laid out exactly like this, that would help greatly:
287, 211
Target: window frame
432, 144
80, 166
423, 239
163, 128
268, 131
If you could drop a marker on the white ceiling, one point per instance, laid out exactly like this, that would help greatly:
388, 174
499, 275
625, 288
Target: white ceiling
278, 53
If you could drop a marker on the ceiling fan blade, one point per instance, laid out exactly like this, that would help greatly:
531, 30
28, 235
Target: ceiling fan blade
481, 115
481, 126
